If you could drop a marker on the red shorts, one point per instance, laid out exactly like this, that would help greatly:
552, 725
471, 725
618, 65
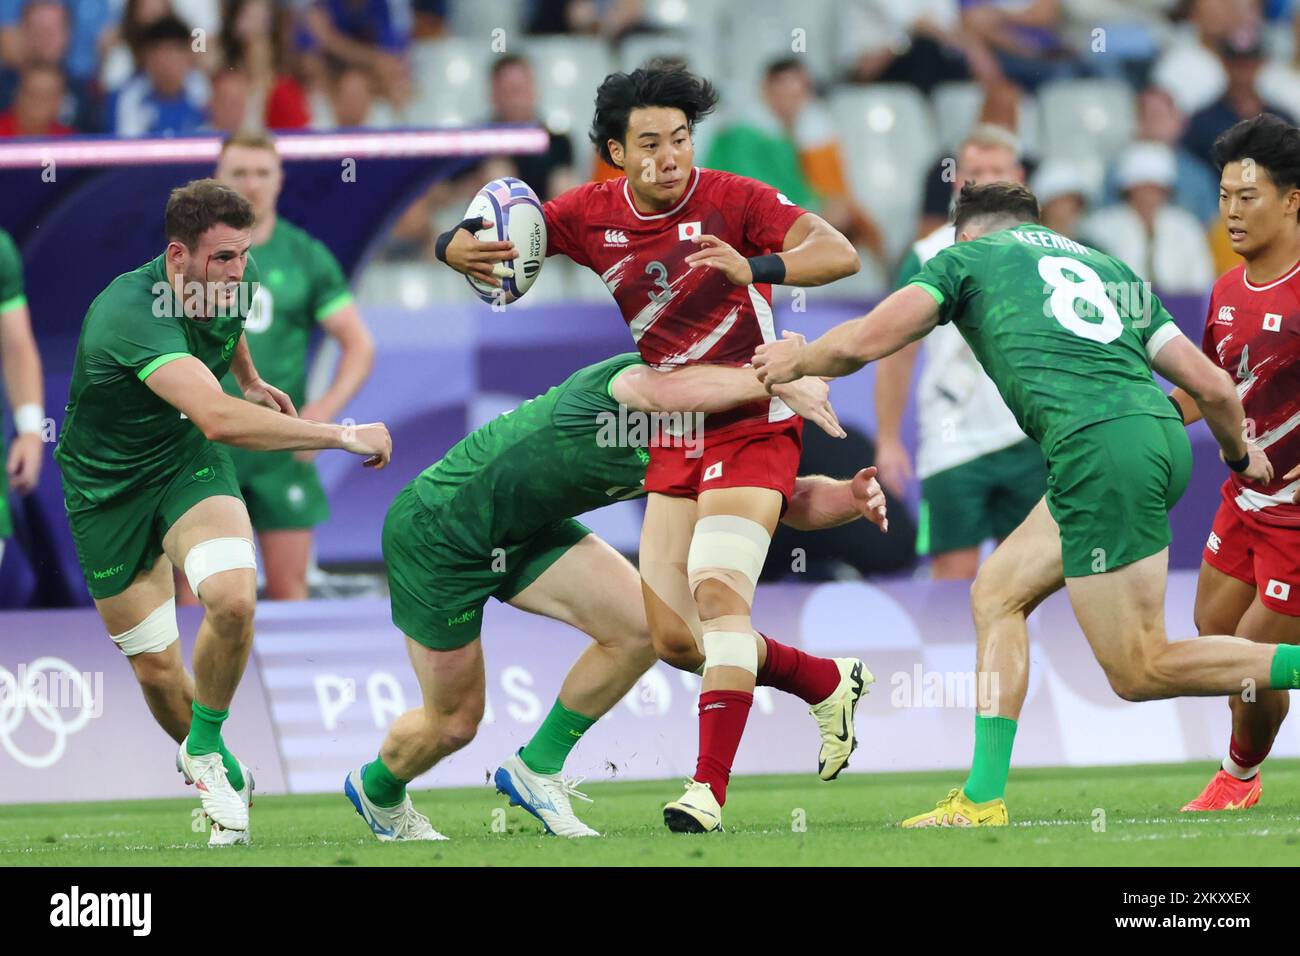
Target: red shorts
1263, 555
761, 455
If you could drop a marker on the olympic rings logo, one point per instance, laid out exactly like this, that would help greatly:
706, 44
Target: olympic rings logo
46, 699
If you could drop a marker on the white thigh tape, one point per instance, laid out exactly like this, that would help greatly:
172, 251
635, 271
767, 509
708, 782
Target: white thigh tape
157, 632
731, 649
730, 549
216, 555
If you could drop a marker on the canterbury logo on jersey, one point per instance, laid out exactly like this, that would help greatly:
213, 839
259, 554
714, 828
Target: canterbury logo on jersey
1225, 316
615, 237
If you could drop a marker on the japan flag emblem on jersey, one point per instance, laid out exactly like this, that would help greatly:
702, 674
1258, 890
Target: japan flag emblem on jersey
688, 230
1272, 322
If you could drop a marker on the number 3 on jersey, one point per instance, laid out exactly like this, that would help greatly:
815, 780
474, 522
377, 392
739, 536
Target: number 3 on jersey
663, 291
1066, 292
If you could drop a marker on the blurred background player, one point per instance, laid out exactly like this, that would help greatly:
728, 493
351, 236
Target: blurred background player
24, 386
979, 474
302, 288
147, 489
1250, 573
690, 261
495, 517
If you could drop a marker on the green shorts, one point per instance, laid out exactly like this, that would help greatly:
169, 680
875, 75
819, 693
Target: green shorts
438, 590
118, 540
282, 493
1110, 487
987, 497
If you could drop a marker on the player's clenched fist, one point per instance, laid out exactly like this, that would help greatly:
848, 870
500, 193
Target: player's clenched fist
372, 441
713, 253
778, 362
468, 254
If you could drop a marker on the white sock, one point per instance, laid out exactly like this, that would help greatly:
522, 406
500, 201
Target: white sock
1237, 770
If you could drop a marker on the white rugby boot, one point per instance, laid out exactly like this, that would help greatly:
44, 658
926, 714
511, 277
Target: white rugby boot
545, 796
207, 772
834, 717
695, 811
389, 824
219, 837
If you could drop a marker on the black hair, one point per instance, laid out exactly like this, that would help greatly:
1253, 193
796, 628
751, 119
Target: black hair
1003, 200
165, 29
1270, 141
658, 84
781, 65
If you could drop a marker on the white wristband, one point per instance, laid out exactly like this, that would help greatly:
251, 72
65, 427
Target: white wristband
29, 419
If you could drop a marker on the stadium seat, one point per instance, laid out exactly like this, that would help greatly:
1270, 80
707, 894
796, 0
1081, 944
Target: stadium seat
451, 82
759, 31
639, 48
957, 109
1086, 118
476, 19
413, 285
568, 70
889, 141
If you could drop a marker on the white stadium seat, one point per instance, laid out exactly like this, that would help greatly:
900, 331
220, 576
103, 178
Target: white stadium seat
888, 139
957, 109
638, 48
478, 18
759, 31
1086, 118
568, 71
451, 82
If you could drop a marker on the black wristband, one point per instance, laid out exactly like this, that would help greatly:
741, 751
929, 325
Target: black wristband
769, 268
470, 225
1240, 464
1178, 408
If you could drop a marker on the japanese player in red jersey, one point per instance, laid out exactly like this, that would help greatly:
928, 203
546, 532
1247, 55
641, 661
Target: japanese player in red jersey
1250, 573
690, 256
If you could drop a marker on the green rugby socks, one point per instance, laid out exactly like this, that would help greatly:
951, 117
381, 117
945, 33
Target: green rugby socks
381, 787
234, 772
994, 737
558, 734
205, 730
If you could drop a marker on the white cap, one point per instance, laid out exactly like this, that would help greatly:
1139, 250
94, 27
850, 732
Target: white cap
1146, 163
1055, 178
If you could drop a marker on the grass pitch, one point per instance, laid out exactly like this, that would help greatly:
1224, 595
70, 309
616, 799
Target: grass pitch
1125, 816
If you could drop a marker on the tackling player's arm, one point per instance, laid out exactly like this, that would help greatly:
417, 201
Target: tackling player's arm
907, 315
820, 502
716, 388
189, 386
1215, 396
24, 385
250, 383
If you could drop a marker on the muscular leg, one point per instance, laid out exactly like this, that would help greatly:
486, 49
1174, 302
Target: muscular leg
228, 597
285, 556
452, 688
1122, 613
593, 588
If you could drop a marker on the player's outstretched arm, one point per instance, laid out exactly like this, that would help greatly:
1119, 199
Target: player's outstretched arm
715, 388
188, 386
24, 384
1214, 393
907, 315
820, 502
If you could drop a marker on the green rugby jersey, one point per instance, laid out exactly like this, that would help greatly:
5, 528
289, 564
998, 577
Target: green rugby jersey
554, 457
118, 435
1065, 332
11, 297
301, 284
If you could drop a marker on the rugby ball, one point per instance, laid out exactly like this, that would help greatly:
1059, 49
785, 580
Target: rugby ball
515, 213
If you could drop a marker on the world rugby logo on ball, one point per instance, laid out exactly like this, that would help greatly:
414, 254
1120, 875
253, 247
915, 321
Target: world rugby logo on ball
515, 214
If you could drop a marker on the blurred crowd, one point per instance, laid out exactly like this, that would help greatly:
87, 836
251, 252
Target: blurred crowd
1190, 68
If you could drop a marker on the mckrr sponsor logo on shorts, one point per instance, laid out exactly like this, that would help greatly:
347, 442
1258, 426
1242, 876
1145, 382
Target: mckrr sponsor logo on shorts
108, 572
463, 618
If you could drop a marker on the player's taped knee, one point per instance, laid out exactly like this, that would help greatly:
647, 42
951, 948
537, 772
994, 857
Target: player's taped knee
155, 633
216, 555
731, 644
730, 549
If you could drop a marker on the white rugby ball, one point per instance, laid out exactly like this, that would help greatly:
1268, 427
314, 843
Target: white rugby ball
515, 213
